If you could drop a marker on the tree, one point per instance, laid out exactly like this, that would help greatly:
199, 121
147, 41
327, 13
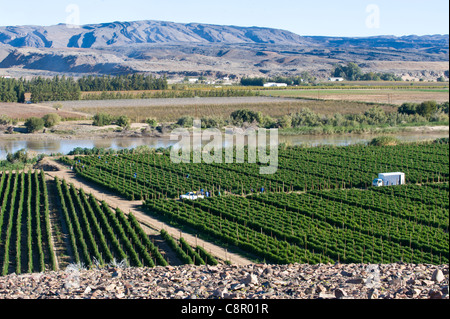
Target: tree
102, 119
51, 119
427, 108
253, 81
408, 108
34, 124
351, 72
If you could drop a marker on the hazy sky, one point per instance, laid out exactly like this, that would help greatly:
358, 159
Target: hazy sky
311, 17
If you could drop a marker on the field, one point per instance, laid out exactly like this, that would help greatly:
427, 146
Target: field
25, 234
173, 109
319, 206
385, 95
373, 226
42, 230
324, 210
147, 176
21, 112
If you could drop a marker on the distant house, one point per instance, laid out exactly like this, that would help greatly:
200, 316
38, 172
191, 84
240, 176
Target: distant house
5, 76
335, 79
273, 84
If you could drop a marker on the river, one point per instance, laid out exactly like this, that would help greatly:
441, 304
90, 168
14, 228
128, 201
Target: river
64, 146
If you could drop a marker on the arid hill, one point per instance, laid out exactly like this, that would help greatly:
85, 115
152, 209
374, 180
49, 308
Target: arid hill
177, 49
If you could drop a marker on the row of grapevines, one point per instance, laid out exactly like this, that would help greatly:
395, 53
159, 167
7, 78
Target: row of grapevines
102, 235
24, 214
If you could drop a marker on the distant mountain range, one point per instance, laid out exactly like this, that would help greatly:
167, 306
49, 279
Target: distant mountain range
119, 47
160, 32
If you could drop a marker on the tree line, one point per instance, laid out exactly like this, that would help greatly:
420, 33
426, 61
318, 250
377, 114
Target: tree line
62, 88
352, 72
303, 78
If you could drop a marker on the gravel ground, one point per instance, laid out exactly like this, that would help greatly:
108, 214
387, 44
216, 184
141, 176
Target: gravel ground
254, 281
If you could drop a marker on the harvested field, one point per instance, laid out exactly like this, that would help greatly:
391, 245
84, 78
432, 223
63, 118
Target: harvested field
173, 109
389, 96
20, 111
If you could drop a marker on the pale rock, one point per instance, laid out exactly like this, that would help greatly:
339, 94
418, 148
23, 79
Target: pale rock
437, 276
251, 279
373, 294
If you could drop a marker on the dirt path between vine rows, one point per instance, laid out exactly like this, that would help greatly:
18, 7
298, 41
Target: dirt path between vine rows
153, 226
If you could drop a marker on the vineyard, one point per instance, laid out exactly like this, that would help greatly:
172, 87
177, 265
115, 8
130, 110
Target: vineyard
323, 210
151, 175
96, 234
25, 234
402, 223
319, 207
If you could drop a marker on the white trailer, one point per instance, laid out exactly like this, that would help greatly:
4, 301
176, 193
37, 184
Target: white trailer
389, 179
192, 196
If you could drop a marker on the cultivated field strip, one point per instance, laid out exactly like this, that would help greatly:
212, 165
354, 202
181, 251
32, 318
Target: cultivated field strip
25, 233
150, 175
288, 228
337, 216
100, 236
96, 234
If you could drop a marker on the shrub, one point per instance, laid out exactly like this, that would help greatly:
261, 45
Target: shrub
152, 122
212, 122
51, 119
102, 119
57, 106
186, 121
285, 121
245, 115
123, 121
384, 141
34, 124
306, 117
5, 120
375, 115
21, 156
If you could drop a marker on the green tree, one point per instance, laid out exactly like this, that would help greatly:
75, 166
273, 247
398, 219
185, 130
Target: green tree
350, 72
427, 108
51, 119
34, 124
102, 119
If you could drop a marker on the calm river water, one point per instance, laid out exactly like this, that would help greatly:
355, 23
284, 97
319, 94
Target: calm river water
64, 146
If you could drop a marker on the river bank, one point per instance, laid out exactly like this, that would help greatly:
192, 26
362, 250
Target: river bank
84, 129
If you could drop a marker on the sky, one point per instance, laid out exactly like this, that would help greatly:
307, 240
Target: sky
308, 18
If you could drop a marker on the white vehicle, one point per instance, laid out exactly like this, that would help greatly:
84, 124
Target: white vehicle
389, 179
191, 196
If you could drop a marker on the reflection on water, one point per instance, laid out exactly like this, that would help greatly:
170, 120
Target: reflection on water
65, 146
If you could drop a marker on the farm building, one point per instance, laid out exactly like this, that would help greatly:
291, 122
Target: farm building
272, 84
335, 79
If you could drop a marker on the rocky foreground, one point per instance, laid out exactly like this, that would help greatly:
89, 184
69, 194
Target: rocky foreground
297, 281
